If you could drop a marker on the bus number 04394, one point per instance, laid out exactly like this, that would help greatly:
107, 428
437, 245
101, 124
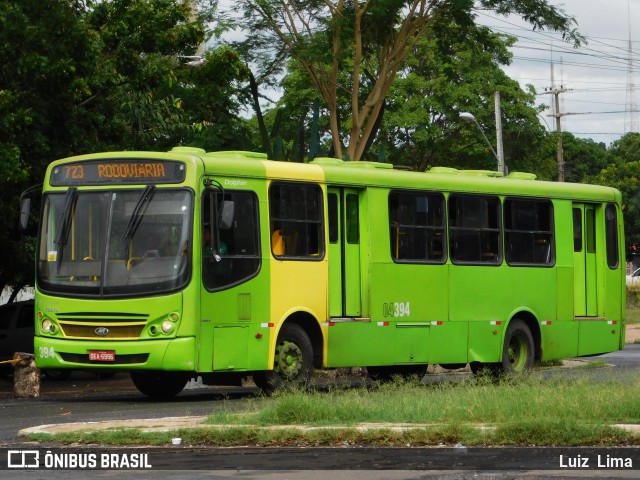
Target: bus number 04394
396, 309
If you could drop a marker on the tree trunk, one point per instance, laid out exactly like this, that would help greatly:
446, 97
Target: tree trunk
266, 141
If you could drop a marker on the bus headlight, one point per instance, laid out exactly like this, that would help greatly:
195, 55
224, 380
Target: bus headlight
48, 326
167, 326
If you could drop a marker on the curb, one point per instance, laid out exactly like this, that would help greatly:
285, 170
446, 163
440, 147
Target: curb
197, 422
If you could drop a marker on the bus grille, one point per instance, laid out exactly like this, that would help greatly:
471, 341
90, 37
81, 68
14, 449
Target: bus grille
102, 326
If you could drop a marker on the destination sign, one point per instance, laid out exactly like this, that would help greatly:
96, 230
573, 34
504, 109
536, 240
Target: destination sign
107, 171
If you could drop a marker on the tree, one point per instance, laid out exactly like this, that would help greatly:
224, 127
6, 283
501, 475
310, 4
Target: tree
583, 158
420, 125
623, 173
371, 40
422, 116
46, 53
626, 178
79, 77
624, 150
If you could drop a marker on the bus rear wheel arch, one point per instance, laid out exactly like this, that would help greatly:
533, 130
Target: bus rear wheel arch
293, 361
518, 354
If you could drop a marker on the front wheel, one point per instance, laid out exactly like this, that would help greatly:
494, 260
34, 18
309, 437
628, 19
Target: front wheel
293, 363
159, 385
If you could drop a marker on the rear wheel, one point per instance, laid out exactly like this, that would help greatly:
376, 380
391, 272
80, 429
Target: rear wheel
518, 350
159, 385
293, 363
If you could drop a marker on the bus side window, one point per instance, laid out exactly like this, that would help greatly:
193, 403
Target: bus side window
231, 248
296, 221
474, 229
416, 227
611, 225
528, 227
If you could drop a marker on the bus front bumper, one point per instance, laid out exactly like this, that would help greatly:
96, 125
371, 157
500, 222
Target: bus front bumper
176, 354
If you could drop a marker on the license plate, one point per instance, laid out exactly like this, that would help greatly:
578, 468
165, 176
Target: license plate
102, 355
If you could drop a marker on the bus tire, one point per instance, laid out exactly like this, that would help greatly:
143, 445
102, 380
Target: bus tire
518, 351
159, 385
293, 361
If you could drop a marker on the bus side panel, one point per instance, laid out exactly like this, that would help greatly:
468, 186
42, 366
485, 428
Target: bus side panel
560, 337
232, 332
477, 295
448, 342
489, 297
296, 286
361, 343
413, 297
230, 346
598, 336
559, 340
484, 345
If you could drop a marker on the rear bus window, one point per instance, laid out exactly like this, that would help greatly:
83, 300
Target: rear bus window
474, 229
528, 230
416, 227
611, 219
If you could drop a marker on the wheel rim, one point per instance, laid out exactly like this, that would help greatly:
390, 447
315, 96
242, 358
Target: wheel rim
289, 360
518, 352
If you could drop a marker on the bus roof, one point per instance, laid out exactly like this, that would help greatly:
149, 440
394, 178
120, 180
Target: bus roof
243, 164
366, 174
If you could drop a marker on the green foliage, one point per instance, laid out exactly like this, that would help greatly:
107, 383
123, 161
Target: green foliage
45, 54
359, 48
626, 178
79, 77
526, 410
622, 171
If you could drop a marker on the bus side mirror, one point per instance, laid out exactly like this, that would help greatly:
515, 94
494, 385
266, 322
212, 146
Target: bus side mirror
226, 216
25, 210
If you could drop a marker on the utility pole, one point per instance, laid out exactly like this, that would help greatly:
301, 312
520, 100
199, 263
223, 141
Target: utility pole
631, 121
500, 148
556, 91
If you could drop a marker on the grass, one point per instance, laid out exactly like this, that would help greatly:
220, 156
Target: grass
633, 315
473, 401
527, 410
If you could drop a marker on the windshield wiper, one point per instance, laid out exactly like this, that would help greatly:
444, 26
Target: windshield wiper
65, 227
138, 212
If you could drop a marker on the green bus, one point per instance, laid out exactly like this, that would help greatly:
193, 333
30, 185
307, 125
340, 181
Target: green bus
226, 265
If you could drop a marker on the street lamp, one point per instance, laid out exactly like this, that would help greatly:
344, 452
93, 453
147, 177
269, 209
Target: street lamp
468, 117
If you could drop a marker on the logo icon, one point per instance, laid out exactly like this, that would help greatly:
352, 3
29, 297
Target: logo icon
23, 459
102, 331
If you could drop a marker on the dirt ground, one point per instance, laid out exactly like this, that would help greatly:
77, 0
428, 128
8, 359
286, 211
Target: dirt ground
633, 334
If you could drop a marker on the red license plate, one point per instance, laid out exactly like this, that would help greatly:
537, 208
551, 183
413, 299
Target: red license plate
102, 355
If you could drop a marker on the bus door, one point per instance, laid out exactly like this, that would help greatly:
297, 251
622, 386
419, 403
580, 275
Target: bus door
345, 299
584, 260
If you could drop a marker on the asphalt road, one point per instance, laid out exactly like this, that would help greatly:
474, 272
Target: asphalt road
84, 397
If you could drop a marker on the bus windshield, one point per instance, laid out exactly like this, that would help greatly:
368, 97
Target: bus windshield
115, 242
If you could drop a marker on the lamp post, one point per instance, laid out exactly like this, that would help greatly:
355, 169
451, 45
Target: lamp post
468, 117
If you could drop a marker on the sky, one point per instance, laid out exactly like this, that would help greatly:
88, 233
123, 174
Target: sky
596, 75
